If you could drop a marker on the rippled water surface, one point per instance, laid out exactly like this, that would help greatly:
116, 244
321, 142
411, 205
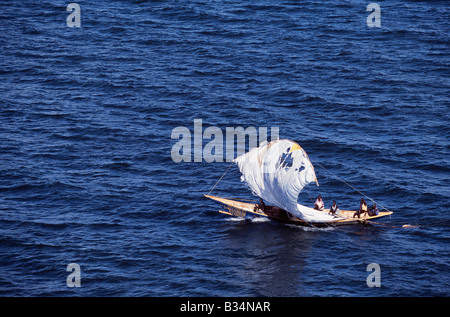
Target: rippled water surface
87, 114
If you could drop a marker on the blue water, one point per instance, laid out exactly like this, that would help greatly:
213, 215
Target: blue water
87, 177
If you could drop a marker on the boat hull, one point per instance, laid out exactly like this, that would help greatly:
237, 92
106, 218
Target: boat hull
242, 209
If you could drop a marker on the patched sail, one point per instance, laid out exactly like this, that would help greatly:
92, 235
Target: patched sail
277, 172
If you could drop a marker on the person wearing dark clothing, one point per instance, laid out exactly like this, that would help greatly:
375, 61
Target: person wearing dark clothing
261, 205
373, 211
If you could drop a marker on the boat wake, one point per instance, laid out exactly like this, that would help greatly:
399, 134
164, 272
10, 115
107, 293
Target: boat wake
254, 219
312, 228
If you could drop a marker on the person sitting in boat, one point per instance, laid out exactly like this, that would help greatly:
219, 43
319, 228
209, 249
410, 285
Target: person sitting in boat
319, 203
334, 210
261, 206
373, 211
362, 209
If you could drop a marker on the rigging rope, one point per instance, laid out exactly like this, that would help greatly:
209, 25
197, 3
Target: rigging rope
352, 186
220, 178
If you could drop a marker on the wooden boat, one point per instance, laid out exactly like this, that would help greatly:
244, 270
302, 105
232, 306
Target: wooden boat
241, 209
277, 172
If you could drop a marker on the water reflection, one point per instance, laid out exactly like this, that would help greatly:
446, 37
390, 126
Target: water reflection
269, 257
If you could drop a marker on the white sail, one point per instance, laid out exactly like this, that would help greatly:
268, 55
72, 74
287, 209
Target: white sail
277, 172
